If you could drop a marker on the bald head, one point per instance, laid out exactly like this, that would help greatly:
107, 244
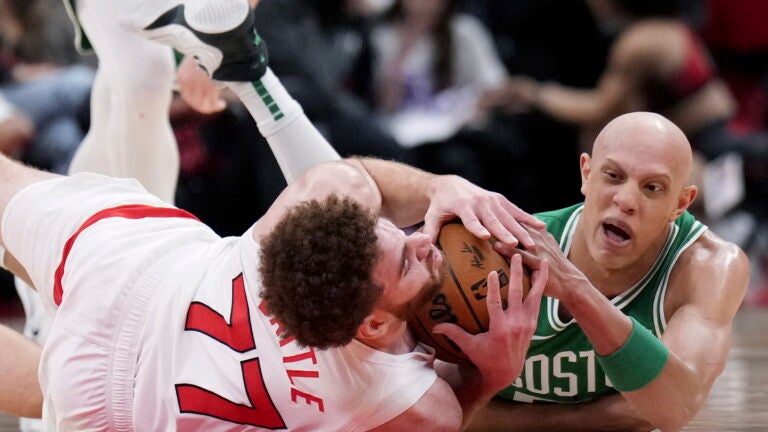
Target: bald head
645, 136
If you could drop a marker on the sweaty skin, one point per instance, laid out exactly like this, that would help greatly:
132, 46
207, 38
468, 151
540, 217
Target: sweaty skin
635, 184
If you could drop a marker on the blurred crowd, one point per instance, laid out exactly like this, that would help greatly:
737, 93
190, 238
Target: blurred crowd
503, 92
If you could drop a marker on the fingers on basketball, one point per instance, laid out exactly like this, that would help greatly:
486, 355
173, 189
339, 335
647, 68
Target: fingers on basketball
463, 296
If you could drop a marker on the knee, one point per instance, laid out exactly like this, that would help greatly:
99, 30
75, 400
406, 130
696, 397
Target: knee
152, 81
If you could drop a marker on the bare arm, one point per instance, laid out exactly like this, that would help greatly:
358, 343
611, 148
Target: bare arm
612, 95
411, 196
584, 106
704, 293
407, 195
20, 393
707, 287
614, 92
712, 283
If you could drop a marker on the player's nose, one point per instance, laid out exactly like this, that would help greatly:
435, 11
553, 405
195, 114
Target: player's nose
626, 198
420, 244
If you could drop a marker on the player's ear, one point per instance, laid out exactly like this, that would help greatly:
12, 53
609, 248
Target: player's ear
375, 326
586, 169
684, 201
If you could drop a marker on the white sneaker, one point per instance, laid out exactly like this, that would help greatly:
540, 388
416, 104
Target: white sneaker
220, 34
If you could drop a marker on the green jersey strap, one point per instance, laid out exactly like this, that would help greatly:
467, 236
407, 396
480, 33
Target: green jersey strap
561, 365
82, 44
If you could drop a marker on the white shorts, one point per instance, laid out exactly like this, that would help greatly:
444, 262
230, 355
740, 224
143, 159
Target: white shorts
107, 274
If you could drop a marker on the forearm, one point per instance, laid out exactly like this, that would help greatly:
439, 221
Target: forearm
20, 393
571, 105
405, 190
606, 327
671, 396
672, 399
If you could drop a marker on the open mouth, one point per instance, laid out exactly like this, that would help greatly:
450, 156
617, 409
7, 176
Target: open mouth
615, 233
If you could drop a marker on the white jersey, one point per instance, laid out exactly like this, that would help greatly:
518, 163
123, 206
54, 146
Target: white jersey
158, 325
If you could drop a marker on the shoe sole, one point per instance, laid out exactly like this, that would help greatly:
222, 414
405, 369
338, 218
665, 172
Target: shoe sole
230, 49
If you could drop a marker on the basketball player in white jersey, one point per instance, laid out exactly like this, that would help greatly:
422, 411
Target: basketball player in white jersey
145, 297
130, 133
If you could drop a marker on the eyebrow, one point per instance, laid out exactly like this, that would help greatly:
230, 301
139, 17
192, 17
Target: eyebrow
653, 176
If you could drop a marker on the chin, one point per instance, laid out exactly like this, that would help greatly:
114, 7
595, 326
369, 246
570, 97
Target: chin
611, 259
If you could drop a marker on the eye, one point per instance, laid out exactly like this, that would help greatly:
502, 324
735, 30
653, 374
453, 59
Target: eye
611, 175
654, 187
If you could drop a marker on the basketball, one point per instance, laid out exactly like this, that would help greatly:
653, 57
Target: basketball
461, 299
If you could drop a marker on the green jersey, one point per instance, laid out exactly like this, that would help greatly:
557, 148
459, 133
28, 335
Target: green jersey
561, 365
82, 43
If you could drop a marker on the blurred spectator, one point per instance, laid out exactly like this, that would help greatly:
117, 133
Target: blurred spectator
657, 63
321, 52
525, 36
16, 130
430, 64
43, 113
549, 39
45, 102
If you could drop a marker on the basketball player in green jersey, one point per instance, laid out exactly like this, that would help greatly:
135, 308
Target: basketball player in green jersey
636, 325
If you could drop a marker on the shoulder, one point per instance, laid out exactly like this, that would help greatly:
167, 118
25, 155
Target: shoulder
710, 252
437, 410
652, 31
711, 274
644, 40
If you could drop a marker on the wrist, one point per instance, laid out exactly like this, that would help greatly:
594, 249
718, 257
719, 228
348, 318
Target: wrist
436, 183
637, 362
482, 385
576, 295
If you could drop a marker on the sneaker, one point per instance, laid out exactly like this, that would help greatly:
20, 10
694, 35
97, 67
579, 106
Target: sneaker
219, 34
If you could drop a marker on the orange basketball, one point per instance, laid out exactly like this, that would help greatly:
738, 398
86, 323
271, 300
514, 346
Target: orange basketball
461, 299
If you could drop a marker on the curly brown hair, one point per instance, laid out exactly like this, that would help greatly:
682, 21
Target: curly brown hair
316, 268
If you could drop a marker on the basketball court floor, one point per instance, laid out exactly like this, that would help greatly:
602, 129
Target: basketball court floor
738, 402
